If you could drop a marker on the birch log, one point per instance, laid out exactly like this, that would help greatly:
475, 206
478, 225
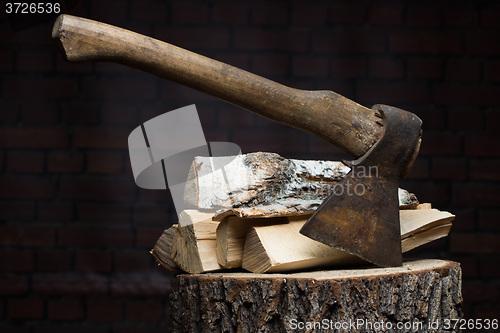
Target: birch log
420, 296
260, 179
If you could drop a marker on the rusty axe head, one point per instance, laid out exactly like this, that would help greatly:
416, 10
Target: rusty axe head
361, 215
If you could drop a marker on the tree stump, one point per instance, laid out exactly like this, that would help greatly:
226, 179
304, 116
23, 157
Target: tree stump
421, 295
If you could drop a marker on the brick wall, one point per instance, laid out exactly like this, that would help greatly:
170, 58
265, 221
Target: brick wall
75, 231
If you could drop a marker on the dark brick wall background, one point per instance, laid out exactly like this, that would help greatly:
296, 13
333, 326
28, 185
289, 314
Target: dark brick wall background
75, 231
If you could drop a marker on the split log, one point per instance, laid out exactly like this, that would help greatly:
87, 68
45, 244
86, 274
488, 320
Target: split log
194, 248
162, 251
260, 179
279, 248
418, 296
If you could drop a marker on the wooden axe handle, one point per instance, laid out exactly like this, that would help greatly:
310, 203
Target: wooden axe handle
326, 114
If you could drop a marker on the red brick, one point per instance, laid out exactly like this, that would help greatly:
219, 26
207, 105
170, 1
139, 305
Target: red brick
101, 138
463, 70
425, 68
55, 211
420, 169
492, 71
9, 112
189, 12
96, 189
485, 311
290, 140
24, 188
70, 284
65, 310
151, 214
26, 236
194, 38
65, 162
80, 113
309, 66
25, 308
119, 114
461, 18
143, 285
270, 14
13, 285
39, 114
17, 211
64, 66
489, 18
476, 243
348, 42
35, 61
54, 260
393, 93
348, 13
144, 88
113, 10
386, 68
6, 61
309, 15
485, 170
147, 237
433, 118
33, 138
465, 119
110, 67
424, 17
386, 15
489, 267
473, 95
489, 219
437, 43
105, 163
73, 327
479, 291
348, 67
269, 64
96, 237
426, 191
449, 168
266, 39
144, 312
17, 261
482, 144
230, 13
133, 261
468, 264
104, 213
36, 36
105, 311
149, 10
482, 43
24, 162
465, 220
93, 261
44, 89
477, 195
493, 119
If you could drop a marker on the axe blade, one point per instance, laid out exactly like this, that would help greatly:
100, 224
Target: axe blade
361, 215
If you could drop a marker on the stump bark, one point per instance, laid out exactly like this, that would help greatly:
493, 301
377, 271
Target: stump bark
419, 296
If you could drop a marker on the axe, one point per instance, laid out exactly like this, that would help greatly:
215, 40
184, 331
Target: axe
361, 215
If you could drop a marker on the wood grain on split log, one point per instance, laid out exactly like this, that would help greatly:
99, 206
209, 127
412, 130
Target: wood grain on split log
420, 293
195, 248
280, 247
